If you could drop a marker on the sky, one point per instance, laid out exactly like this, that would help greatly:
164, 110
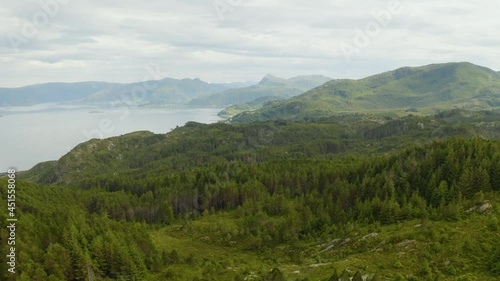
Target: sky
238, 40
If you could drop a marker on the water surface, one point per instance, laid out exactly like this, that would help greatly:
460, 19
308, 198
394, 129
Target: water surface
29, 135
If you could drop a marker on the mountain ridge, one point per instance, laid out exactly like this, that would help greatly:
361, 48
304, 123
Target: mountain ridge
157, 92
51, 92
163, 91
269, 86
431, 87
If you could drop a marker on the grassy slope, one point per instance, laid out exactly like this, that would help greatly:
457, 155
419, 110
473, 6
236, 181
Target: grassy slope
429, 88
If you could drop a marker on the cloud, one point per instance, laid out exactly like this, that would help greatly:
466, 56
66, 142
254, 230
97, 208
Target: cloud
116, 40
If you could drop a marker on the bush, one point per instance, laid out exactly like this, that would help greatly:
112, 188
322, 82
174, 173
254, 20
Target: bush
493, 224
494, 264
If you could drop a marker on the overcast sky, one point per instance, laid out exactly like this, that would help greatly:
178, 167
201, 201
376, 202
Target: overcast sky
238, 40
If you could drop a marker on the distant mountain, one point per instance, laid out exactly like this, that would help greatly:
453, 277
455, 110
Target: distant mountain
51, 93
167, 91
430, 88
269, 86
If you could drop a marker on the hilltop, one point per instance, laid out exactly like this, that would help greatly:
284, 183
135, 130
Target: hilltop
269, 86
428, 89
142, 153
373, 196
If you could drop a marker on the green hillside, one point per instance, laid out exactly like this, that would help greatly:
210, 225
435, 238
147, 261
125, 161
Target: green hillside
195, 144
362, 196
370, 197
429, 89
269, 86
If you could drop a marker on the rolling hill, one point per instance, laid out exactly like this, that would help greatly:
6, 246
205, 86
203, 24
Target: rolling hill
364, 196
269, 86
429, 88
143, 152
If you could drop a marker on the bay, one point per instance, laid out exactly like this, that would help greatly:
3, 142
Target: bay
29, 135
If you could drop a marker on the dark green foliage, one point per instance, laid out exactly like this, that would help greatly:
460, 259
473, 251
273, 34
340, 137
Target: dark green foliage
334, 277
357, 276
306, 194
197, 144
277, 185
275, 275
60, 239
345, 276
494, 262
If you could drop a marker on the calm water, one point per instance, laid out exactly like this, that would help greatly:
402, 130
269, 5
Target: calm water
29, 135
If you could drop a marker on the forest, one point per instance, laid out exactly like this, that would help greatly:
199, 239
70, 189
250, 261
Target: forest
361, 197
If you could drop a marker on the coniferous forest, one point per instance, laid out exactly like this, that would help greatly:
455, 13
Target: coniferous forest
249, 140
350, 197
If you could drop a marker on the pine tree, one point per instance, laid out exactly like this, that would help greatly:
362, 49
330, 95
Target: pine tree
58, 262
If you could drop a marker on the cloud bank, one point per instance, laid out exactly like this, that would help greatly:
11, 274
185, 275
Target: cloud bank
238, 40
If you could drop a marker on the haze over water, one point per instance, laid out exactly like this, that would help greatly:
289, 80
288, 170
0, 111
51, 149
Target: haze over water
30, 135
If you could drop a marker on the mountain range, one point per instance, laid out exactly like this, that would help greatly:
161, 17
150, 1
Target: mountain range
372, 195
269, 86
164, 92
428, 88
167, 91
51, 93
156, 92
